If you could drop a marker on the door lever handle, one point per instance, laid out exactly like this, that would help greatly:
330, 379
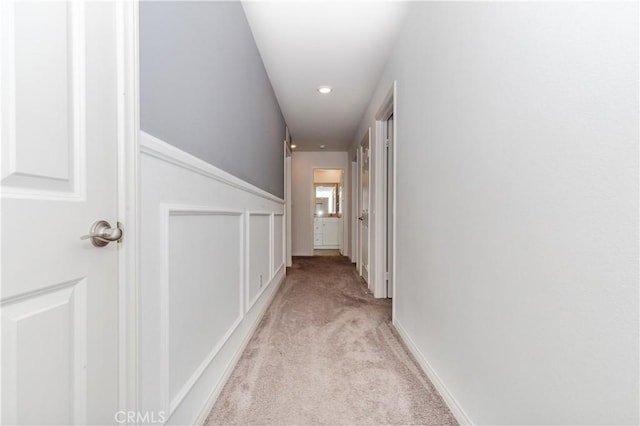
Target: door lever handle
101, 233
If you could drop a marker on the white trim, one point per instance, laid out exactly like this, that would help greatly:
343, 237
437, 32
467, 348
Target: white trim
128, 203
447, 396
358, 208
341, 241
272, 241
353, 255
165, 320
154, 147
231, 365
277, 271
287, 194
283, 236
395, 200
251, 302
188, 385
360, 156
378, 254
171, 404
387, 107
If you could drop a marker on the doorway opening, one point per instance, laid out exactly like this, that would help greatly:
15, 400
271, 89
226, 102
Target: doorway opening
328, 202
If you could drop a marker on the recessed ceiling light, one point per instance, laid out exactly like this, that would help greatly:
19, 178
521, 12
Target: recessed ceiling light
321, 146
324, 89
294, 146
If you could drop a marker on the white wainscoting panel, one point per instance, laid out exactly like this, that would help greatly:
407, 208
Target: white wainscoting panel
204, 258
278, 242
205, 239
259, 245
43, 96
51, 322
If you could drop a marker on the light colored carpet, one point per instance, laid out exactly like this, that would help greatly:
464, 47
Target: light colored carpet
326, 353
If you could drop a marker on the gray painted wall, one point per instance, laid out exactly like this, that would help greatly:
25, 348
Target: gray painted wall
204, 89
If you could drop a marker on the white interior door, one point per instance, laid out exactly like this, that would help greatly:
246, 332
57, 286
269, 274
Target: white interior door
364, 208
59, 135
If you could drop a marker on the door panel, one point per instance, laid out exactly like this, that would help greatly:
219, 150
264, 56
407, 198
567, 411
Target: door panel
50, 323
59, 175
34, 96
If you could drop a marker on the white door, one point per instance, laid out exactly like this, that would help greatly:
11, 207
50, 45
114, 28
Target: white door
59, 174
364, 208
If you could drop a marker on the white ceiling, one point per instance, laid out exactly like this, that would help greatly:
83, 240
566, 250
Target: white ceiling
308, 44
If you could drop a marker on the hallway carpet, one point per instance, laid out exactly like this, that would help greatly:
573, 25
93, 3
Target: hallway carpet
326, 353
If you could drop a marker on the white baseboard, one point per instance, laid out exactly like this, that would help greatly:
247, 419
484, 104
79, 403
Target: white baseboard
215, 393
447, 396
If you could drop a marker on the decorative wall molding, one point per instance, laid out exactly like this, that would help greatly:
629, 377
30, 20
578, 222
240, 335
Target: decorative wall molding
152, 146
176, 187
251, 301
276, 265
168, 210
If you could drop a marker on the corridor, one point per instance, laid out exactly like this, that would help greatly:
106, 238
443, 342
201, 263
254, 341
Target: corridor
187, 185
326, 353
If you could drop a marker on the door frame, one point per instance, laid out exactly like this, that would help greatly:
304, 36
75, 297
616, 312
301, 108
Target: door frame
366, 137
345, 213
386, 109
287, 197
354, 245
127, 32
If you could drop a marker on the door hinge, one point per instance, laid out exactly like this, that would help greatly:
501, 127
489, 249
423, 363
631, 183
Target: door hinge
386, 143
386, 276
